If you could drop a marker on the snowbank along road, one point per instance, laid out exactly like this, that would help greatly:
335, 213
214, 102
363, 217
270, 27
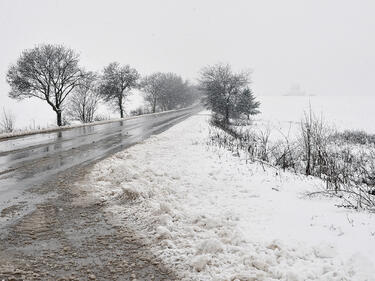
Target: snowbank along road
209, 214
33, 159
43, 234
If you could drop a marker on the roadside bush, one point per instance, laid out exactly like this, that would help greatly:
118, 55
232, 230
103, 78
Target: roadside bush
101, 117
314, 140
347, 166
354, 137
7, 122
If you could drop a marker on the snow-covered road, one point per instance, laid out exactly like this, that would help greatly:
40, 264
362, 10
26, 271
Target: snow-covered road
210, 216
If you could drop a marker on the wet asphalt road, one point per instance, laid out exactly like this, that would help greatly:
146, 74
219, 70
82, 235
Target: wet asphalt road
46, 234
31, 160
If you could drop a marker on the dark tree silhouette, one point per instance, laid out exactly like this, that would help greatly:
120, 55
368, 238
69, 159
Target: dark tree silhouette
47, 72
222, 89
152, 85
246, 103
116, 83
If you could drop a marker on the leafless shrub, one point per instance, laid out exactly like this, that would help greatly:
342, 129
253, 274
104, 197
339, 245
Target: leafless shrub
130, 194
347, 169
263, 140
7, 122
84, 101
285, 154
101, 117
354, 137
351, 176
314, 142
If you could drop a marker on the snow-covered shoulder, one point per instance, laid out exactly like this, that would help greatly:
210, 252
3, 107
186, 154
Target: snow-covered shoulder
211, 216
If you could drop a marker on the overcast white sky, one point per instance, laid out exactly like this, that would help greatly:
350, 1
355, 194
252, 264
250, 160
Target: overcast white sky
325, 46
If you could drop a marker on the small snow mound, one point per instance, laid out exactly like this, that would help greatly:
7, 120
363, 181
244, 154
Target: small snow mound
325, 251
130, 193
275, 245
133, 192
245, 277
121, 155
210, 246
292, 276
163, 233
234, 237
164, 208
208, 222
165, 219
200, 262
260, 265
168, 244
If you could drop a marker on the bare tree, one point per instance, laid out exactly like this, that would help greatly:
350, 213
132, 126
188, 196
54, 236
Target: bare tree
83, 103
152, 85
7, 122
116, 83
47, 72
223, 88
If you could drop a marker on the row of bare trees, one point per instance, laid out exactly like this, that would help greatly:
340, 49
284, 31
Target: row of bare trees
52, 73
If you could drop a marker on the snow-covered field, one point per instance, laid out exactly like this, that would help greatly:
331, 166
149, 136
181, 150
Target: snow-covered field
345, 112
211, 216
282, 113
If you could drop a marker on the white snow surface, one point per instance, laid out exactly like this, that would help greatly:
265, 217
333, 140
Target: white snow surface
209, 215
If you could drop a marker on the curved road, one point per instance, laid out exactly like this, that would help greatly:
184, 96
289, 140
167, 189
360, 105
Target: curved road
34, 159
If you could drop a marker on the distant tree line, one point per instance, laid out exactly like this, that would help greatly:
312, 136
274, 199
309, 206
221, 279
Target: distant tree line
166, 91
52, 73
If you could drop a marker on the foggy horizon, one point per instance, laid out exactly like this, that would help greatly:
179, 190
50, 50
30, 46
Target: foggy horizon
325, 47
322, 48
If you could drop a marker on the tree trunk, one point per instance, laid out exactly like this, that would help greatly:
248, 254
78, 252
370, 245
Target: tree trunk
59, 117
121, 111
120, 106
154, 106
83, 114
227, 115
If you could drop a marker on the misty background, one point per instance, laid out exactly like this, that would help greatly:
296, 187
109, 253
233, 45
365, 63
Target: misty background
323, 48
